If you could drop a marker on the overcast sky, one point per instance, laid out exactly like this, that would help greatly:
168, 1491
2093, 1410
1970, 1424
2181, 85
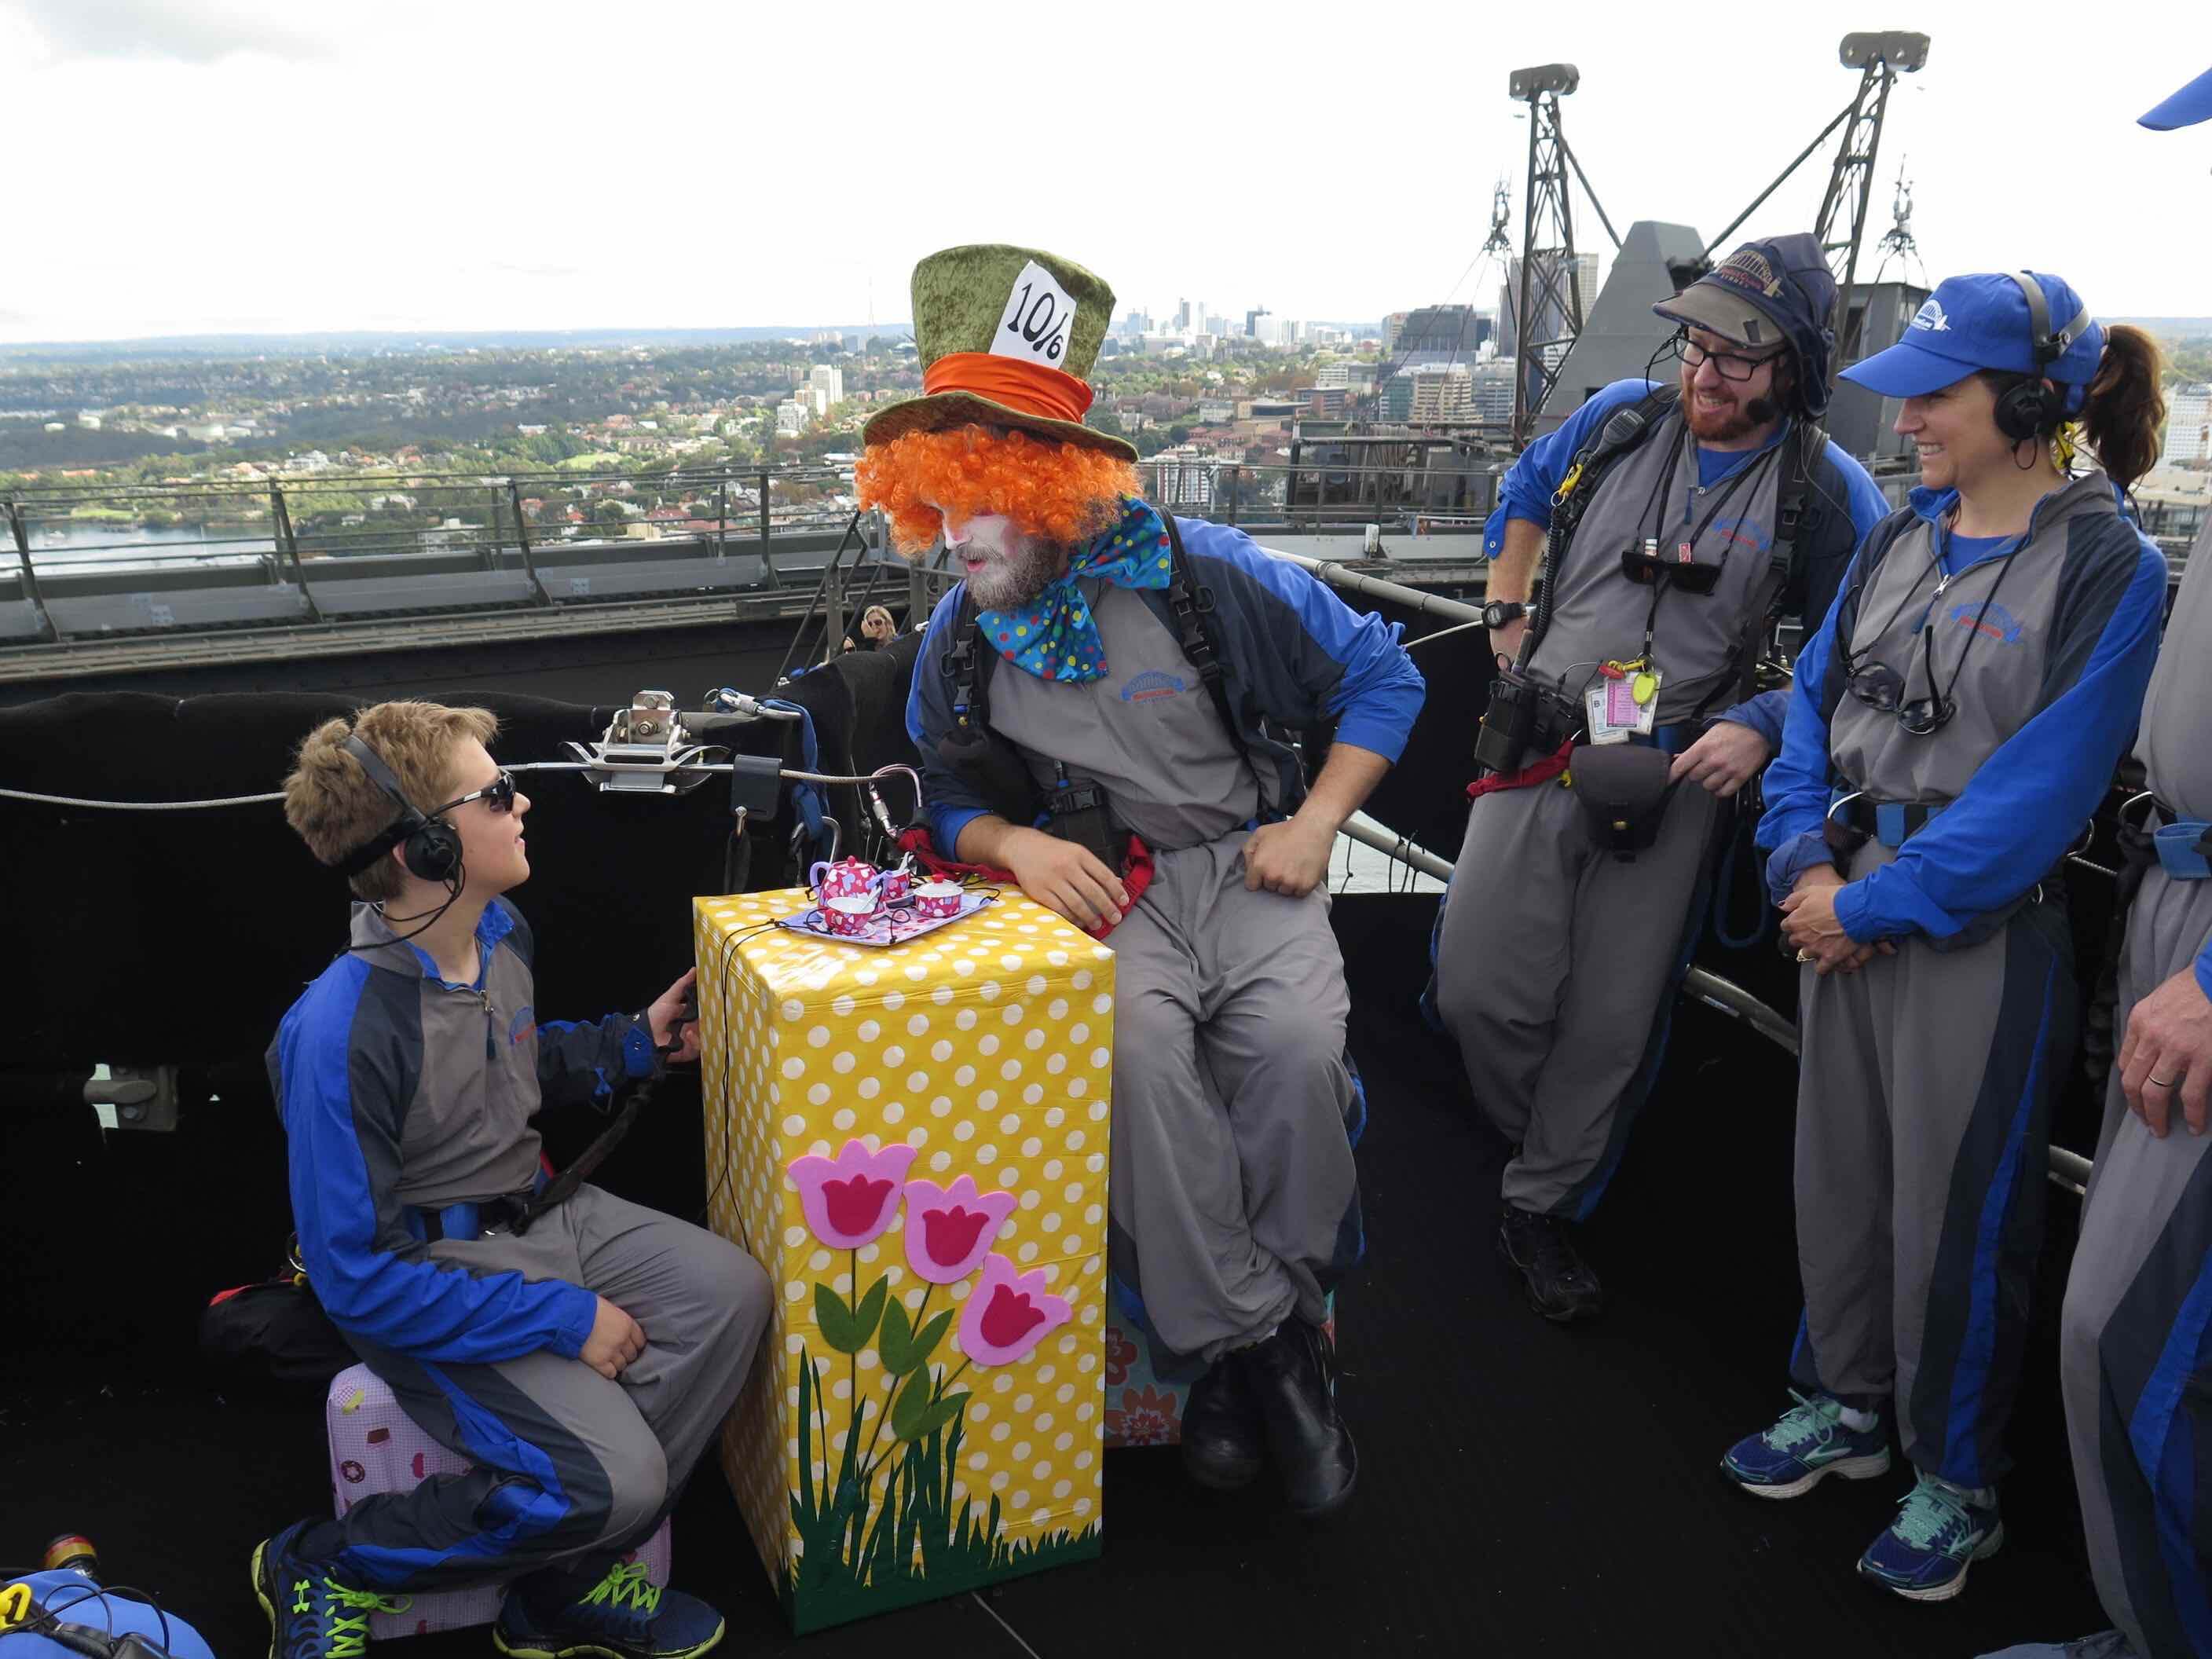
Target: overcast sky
288, 165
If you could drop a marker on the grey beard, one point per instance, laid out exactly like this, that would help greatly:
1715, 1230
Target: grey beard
1016, 581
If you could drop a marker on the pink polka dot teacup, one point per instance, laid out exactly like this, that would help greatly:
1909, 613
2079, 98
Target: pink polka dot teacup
849, 916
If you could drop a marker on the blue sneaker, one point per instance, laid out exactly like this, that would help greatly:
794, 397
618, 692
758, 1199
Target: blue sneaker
624, 1616
1809, 1443
313, 1613
1940, 1531
2105, 1644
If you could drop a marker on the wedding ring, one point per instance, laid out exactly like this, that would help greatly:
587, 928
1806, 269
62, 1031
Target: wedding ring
2159, 1082
1804, 955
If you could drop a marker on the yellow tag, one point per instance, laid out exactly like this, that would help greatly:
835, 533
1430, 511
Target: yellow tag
15, 1605
1644, 687
353, 1400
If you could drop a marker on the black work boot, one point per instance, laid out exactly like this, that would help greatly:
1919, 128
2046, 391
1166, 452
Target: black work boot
1224, 1439
1292, 1376
1560, 1284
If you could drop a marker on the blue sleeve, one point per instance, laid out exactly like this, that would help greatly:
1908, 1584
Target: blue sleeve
580, 1062
1301, 652
1862, 495
2028, 801
1527, 489
345, 1068
952, 804
1796, 784
1763, 714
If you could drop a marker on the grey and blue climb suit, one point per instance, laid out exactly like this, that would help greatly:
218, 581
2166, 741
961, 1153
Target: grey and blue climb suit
2135, 1343
1555, 957
1927, 1077
407, 1103
1233, 1197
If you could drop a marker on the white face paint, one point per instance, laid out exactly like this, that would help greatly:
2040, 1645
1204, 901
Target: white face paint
1002, 566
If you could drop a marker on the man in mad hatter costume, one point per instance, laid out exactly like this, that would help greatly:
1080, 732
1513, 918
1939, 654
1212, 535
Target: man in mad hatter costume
1096, 707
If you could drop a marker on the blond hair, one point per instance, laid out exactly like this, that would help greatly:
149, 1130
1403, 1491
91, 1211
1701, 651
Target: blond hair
336, 808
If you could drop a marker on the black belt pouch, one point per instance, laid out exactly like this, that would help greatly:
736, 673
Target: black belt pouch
1623, 787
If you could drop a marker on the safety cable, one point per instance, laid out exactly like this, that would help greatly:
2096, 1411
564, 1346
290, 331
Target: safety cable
519, 766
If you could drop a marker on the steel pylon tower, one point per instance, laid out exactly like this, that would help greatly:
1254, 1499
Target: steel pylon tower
1880, 59
1897, 242
1547, 312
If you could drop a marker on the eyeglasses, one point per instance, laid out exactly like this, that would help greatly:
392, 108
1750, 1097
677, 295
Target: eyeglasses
1730, 365
498, 796
1882, 687
1643, 566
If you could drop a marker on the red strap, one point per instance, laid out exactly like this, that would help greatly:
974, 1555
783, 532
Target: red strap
1542, 771
1137, 877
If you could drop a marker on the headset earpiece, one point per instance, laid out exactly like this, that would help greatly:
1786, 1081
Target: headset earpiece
430, 847
2031, 406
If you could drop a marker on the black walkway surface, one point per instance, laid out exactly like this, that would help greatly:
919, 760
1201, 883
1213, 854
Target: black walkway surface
1524, 1490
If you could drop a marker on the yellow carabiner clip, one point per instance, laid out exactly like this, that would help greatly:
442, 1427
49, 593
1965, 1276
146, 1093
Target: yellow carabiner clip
1567, 484
15, 1605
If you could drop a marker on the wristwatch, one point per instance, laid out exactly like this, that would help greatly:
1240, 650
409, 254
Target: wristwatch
1498, 613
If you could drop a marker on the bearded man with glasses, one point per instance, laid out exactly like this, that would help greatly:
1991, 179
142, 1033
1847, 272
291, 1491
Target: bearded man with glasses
1556, 954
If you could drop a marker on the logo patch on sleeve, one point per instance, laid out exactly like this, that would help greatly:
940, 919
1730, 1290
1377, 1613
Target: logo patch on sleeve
522, 1027
1151, 684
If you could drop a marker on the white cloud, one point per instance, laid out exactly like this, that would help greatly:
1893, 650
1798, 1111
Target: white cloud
413, 164
202, 31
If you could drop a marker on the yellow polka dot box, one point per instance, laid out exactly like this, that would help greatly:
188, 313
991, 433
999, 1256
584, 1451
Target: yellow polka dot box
912, 1139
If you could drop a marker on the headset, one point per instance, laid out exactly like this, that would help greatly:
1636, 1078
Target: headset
431, 847
2030, 405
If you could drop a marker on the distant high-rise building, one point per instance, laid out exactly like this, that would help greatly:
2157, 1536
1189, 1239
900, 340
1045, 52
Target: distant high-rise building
1443, 393
1550, 327
1330, 375
1392, 327
1492, 389
1440, 334
827, 381
2188, 426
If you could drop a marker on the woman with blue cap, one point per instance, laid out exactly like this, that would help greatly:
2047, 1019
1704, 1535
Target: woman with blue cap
2133, 1352
1952, 728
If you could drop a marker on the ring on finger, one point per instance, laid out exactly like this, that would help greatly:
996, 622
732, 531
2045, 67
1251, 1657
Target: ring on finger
2159, 1082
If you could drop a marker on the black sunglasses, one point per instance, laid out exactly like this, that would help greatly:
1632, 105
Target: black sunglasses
1684, 571
498, 796
1882, 688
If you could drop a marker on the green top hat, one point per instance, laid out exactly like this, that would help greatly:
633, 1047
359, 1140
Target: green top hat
1007, 335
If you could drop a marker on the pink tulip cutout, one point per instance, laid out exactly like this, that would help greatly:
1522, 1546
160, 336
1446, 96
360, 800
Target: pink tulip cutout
1008, 1314
850, 1202
948, 1229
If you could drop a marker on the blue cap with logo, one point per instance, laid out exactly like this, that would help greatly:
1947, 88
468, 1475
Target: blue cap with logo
2192, 104
1987, 321
1768, 293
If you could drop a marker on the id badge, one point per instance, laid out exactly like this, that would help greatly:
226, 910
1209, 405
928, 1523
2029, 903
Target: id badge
1611, 712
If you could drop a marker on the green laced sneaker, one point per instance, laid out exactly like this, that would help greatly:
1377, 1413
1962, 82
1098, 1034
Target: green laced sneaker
622, 1616
313, 1613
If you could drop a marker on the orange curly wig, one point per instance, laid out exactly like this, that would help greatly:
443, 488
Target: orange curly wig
1062, 492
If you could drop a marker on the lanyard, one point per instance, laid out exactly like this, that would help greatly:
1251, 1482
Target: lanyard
1657, 507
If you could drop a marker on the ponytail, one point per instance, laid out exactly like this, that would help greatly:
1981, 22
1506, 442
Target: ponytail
2126, 404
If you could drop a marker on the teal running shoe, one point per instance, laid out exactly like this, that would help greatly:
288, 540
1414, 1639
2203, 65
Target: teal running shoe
1940, 1530
1811, 1441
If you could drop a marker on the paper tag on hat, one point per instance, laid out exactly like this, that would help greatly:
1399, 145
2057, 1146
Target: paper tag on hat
1037, 321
